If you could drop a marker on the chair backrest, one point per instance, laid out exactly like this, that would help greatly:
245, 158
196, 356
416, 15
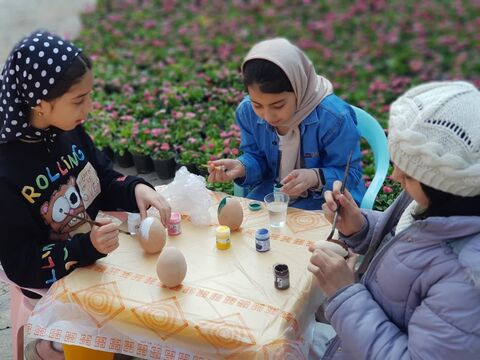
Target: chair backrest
371, 130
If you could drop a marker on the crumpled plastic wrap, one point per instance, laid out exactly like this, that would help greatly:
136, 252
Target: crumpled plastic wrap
188, 194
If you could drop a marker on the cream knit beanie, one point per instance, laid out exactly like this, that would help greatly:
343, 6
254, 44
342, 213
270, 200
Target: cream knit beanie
434, 136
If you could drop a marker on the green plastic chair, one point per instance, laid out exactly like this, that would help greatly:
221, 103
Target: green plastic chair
371, 130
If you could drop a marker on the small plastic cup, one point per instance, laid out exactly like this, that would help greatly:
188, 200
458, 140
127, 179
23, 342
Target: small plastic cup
277, 204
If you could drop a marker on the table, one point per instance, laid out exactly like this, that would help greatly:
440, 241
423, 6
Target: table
227, 306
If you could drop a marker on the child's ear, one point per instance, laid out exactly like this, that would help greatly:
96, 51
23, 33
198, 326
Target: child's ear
43, 109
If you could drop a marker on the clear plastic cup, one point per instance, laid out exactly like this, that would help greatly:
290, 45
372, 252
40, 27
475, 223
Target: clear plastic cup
277, 204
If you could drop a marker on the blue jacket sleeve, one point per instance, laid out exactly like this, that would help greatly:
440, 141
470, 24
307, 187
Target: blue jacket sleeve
252, 159
338, 140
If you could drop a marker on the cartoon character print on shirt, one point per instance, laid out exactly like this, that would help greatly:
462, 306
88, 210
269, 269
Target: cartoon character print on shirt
58, 211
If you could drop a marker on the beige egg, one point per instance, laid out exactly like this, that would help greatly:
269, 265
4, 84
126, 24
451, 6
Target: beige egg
171, 267
151, 235
336, 246
230, 213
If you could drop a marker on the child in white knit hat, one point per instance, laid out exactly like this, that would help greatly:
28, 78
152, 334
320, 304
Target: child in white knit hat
417, 291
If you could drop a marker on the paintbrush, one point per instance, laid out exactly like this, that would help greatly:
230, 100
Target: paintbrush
92, 222
221, 167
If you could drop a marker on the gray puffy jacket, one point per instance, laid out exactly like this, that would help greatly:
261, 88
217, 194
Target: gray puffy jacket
419, 298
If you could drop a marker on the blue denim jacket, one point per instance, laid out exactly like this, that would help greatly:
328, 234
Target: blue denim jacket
328, 134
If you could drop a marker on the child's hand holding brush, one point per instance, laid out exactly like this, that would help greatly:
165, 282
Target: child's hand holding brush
225, 170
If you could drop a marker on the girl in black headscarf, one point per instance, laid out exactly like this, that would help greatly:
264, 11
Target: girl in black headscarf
50, 171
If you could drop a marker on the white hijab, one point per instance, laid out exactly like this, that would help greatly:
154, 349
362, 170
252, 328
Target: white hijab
309, 88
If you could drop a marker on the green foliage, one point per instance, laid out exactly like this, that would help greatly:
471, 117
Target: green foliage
172, 68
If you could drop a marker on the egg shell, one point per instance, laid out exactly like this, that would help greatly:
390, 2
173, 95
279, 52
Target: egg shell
230, 213
171, 267
152, 235
336, 246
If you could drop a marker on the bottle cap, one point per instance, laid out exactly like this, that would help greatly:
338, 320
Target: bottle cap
254, 206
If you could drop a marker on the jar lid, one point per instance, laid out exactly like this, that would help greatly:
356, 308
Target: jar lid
262, 234
280, 269
175, 217
223, 230
254, 206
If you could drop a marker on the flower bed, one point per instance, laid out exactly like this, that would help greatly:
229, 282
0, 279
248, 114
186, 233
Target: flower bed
167, 80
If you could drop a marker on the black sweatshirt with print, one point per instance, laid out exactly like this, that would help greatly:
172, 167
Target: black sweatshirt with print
41, 185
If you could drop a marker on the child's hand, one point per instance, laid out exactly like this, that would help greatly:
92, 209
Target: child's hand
331, 270
225, 170
298, 181
104, 238
147, 197
350, 220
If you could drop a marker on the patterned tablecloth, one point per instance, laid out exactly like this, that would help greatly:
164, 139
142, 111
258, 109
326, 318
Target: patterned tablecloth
227, 306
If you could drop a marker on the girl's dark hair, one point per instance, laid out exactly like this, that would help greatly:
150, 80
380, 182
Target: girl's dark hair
79, 66
270, 78
446, 204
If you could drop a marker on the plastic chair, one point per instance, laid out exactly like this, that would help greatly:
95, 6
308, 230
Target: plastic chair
20, 310
373, 133
371, 130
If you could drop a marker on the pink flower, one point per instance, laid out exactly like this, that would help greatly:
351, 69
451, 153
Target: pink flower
234, 151
387, 189
165, 147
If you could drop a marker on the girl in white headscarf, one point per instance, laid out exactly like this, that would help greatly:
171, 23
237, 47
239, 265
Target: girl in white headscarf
295, 131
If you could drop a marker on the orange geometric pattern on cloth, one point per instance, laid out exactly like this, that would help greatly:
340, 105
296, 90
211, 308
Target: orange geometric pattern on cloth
285, 350
298, 220
229, 335
164, 317
226, 307
101, 302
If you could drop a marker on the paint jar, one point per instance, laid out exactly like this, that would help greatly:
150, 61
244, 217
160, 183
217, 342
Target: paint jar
222, 235
133, 222
282, 276
262, 240
277, 188
174, 225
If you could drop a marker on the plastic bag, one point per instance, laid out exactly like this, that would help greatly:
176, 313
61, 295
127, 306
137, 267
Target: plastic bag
188, 194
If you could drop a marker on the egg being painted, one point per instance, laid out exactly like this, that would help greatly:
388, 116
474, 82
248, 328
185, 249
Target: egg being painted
171, 267
230, 213
151, 235
336, 246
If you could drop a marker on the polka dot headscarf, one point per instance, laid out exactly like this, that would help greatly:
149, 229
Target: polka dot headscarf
32, 69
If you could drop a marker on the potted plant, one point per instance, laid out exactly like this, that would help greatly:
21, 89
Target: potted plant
141, 156
121, 155
188, 158
164, 161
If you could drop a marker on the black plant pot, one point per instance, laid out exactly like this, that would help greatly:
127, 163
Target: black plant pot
124, 160
165, 168
143, 163
194, 169
108, 152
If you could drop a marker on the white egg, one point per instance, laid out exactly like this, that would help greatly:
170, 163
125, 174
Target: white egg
334, 245
151, 235
171, 267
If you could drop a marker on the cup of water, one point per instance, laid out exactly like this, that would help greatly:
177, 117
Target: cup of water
277, 204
